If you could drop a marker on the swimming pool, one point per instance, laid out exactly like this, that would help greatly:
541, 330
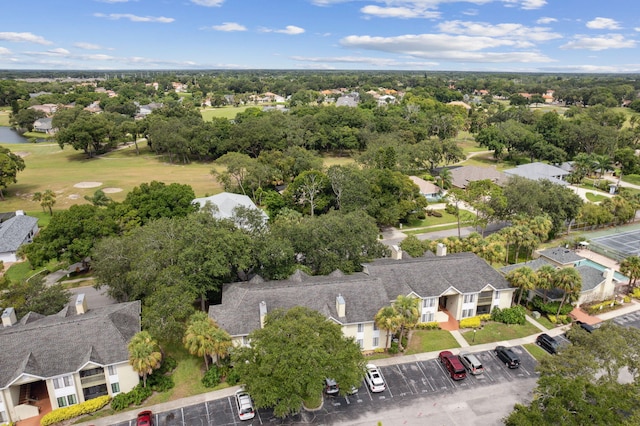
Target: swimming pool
588, 262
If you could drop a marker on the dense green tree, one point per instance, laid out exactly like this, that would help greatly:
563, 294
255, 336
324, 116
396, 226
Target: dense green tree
144, 355
289, 357
630, 266
311, 188
413, 246
156, 200
394, 197
25, 118
10, 165
36, 296
83, 131
166, 311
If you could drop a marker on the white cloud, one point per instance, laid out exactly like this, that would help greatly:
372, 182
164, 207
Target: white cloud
546, 20
87, 46
433, 4
636, 29
229, 26
23, 37
4, 51
506, 30
470, 12
398, 12
610, 41
289, 29
134, 18
458, 48
380, 62
603, 24
208, 3
114, 1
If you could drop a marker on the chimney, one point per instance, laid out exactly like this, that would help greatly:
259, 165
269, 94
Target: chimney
9, 317
263, 313
19, 212
81, 304
609, 287
396, 252
441, 250
341, 307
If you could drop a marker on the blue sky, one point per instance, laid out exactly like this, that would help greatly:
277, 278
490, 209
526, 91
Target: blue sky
473, 35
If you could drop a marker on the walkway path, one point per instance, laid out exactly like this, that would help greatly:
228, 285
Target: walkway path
402, 359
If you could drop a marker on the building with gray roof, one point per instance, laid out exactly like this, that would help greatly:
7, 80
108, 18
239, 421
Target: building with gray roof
14, 232
461, 285
463, 176
540, 171
225, 205
67, 358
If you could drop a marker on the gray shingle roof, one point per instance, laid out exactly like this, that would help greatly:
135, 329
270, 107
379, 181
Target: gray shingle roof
364, 293
561, 255
462, 176
591, 277
539, 171
534, 264
227, 202
49, 346
14, 232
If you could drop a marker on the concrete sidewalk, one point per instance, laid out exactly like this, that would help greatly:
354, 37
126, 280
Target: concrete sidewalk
402, 359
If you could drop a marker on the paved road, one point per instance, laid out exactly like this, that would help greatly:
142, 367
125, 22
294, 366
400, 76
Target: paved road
415, 392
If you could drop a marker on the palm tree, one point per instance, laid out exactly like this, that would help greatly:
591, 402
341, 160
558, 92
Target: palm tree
523, 278
204, 338
144, 354
407, 309
602, 164
221, 344
630, 266
541, 226
546, 275
388, 319
47, 199
570, 282
445, 179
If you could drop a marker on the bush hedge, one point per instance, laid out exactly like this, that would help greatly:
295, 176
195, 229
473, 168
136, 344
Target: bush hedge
66, 413
550, 308
212, 377
514, 315
473, 322
607, 305
136, 396
427, 326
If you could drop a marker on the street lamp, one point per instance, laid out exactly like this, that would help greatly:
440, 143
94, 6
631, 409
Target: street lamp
473, 340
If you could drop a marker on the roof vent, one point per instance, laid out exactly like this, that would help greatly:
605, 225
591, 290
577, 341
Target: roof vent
341, 306
81, 304
263, 313
9, 317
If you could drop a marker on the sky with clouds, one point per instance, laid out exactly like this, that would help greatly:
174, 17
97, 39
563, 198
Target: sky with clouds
472, 35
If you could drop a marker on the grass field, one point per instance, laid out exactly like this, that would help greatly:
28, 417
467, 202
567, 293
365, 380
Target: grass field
430, 341
49, 167
496, 332
228, 112
4, 117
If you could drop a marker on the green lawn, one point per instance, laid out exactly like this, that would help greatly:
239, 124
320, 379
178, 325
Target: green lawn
465, 217
227, 112
634, 179
595, 198
536, 351
23, 270
430, 341
4, 117
496, 332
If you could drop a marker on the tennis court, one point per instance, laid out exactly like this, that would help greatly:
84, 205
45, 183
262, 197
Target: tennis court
619, 244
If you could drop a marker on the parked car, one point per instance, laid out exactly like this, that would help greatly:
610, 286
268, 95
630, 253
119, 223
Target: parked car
453, 365
548, 343
471, 363
331, 387
145, 418
586, 327
374, 379
507, 356
244, 404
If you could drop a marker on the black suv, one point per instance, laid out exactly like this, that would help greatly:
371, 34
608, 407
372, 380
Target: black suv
507, 356
586, 327
548, 343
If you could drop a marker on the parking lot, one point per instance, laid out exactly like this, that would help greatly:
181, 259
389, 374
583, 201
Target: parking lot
406, 384
628, 320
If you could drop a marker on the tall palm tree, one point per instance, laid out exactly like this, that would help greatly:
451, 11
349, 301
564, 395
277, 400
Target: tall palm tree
388, 319
409, 313
541, 226
546, 275
221, 344
601, 164
523, 278
204, 338
48, 199
144, 354
570, 282
630, 266
445, 179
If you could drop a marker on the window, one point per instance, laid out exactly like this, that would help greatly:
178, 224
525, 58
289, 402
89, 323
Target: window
3, 417
375, 327
112, 370
62, 402
469, 298
67, 381
429, 302
376, 342
496, 294
466, 313
71, 399
57, 383
360, 328
115, 387
360, 343
428, 317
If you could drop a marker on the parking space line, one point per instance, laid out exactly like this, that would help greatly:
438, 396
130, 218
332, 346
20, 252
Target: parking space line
426, 378
233, 416
405, 379
368, 390
182, 414
206, 407
387, 383
258, 413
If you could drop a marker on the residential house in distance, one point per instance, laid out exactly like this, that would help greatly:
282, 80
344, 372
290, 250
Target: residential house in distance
540, 171
94, 107
16, 229
144, 110
44, 125
461, 285
429, 190
54, 361
462, 176
48, 109
348, 100
224, 205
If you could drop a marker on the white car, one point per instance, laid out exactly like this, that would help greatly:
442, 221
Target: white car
374, 379
245, 405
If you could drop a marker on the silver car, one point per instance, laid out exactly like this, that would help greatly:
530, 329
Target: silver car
471, 363
244, 405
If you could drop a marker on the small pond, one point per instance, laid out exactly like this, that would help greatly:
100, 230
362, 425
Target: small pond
8, 135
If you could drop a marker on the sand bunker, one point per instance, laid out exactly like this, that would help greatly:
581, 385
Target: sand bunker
73, 196
111, 190
87, 184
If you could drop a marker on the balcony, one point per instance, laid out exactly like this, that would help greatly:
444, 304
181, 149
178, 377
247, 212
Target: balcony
95, 380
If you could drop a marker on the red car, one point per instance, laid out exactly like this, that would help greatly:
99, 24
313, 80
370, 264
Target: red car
453, 365
145, 418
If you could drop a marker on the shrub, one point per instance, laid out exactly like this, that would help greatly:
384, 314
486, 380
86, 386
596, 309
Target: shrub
212, 377
393, 348
232, 377
473, 322
378, 351
436, 214
485, 317
421, 215
550, 308
61, 414
168, 365
450, 208
626, 299
428, 326
160, 383
607, 305
514, 315
636, 293
136, 396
